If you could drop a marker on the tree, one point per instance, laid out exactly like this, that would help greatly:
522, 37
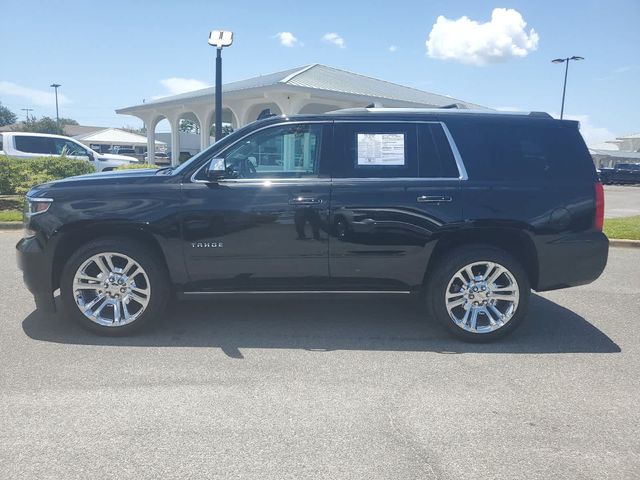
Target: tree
7, 117
189, 126
45, 125
139, 131
226, 130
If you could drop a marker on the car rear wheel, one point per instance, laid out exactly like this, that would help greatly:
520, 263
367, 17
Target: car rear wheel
478, 293
114, 286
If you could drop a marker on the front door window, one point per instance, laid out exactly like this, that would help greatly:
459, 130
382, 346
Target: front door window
290, 151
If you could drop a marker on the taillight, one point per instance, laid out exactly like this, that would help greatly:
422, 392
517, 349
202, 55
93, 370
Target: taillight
599, 220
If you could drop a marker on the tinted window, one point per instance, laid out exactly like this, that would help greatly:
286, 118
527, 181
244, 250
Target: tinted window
67, 147
0, 142
375, 150
289, 151
525, 151
434, 151
29, 144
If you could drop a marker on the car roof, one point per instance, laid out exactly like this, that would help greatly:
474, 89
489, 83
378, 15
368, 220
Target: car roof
408, 114
35, 134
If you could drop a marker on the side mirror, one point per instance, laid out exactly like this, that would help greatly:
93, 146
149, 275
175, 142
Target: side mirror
216, 169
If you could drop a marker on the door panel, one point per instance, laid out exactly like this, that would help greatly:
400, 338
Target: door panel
384, 221
262, 230
254, 236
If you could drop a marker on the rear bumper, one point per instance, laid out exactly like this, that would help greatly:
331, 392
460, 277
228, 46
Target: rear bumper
36, 272
572, 260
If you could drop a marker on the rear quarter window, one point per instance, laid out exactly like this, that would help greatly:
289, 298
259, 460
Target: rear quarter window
527, 151
30, 144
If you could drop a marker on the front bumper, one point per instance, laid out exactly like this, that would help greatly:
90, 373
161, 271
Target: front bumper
36, 272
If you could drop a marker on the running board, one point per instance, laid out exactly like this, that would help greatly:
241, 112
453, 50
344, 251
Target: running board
297, 292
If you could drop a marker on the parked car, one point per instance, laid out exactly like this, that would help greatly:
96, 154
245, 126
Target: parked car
471, 210
126, 151
622, 173
161, 158
31, 145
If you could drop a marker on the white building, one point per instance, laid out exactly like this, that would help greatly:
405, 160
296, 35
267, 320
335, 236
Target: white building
112, 139
310, 89
625, 149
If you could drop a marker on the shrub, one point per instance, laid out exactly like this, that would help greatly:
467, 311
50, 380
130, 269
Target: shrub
132, 166
18, 175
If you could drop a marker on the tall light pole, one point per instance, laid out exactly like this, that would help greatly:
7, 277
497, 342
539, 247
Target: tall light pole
566, 72
219, 39
56, 85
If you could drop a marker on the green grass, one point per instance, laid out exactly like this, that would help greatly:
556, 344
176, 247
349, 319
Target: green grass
10, 216
625, 228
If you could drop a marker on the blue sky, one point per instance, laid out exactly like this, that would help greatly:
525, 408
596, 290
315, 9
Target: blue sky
112, 54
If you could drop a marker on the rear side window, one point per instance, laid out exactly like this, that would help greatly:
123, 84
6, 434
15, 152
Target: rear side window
376, 150
524, 151
434, 151
1, 142
29, 144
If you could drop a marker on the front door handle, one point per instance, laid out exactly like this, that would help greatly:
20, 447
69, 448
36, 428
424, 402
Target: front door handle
433, 199
299, 200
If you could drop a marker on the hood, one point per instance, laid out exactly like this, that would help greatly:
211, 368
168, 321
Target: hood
121, 158
113, 177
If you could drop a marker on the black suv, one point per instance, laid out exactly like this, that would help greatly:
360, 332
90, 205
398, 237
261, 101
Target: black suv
471, 209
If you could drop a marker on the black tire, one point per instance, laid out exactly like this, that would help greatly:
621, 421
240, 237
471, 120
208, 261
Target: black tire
445, 269
152, 265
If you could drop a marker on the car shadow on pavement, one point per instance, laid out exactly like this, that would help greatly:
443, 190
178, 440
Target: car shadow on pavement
326, 324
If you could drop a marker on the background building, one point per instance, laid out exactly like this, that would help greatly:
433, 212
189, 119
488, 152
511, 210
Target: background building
625, 149
311, 89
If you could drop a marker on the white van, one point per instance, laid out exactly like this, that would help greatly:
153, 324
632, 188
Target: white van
31, 145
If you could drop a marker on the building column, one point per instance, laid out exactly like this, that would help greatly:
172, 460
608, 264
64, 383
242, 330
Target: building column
151, 145
174, 121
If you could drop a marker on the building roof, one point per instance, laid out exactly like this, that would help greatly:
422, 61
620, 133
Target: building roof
114, 136
615, 154
322, 77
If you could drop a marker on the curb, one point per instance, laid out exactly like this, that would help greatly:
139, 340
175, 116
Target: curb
10, 225
613, 242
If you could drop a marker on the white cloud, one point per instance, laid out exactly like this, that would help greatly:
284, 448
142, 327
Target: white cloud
335, 39
592, 134
41, 98
468, 41
287, 39
177, 85
393, 48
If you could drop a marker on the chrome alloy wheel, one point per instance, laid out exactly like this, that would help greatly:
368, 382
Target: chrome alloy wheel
482, 297
111, 289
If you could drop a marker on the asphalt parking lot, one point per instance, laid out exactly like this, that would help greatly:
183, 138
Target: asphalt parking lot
324, 388
621, 200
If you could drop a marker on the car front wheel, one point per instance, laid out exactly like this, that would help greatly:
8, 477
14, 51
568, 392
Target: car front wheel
114, 286
478, 293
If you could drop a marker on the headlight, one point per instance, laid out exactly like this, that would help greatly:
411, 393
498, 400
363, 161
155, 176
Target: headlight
34, 206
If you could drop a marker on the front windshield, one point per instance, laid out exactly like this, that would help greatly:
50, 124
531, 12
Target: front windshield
206, 153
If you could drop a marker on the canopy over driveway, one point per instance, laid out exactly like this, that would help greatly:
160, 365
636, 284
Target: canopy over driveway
310, 89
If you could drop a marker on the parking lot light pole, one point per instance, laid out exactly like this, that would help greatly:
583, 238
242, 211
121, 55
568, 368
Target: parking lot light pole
566, 72
56, 85
219, 39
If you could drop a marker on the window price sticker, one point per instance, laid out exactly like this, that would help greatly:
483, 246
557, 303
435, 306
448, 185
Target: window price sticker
381, 149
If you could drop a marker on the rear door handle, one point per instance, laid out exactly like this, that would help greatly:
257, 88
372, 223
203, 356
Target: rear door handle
299, 200
433, 199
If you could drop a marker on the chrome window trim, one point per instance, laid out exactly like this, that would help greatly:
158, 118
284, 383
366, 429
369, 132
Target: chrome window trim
462, 171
